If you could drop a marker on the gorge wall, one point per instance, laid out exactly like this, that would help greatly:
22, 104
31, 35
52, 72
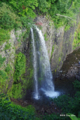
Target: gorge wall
59, 44
12, 52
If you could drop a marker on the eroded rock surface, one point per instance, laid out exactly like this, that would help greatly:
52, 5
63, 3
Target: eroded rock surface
58, 41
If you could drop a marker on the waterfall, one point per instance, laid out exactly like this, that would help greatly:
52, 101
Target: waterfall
41, 64
45, 64
36, 93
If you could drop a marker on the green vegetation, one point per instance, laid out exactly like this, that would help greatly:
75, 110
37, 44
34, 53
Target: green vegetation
2, 59
20, 66
76, 41
13, 15
52, 51
8, 19
4, 35
67, 27
8, 69
16, 14
62, 13
67, 104
22, 36
73, 117
19, 80
50, 23
59, 59
70, 105
3, 78
16, 91
45, 36
10, 111
7, 46
3, 75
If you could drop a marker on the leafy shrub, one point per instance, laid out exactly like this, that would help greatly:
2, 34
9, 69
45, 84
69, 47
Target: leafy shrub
8, 68
76, 103
7, 46
76, 42
61, 13
70, 104
4, 35
16, 91
3, 76
3, 79
20, 66
10, 111
25, 8
26, 22
8, 19
44, 5
2, 60
64, 102
77, 85
45, 36
67, 27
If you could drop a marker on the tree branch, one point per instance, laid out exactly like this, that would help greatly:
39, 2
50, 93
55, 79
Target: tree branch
65, 16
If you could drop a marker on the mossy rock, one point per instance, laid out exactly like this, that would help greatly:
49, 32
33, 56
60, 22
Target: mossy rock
20, 66
4, 35
76, 41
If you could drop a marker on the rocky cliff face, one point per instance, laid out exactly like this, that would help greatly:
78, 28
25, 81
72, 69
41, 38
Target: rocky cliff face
59, 44
15, 44
58, 41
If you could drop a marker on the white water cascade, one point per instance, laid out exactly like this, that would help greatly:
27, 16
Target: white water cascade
41, 64
36, 93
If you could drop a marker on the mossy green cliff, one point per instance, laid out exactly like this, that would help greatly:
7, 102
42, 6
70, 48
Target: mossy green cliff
16, 70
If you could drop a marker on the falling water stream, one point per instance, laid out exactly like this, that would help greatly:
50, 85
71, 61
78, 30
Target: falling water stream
36, 95
42, 71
